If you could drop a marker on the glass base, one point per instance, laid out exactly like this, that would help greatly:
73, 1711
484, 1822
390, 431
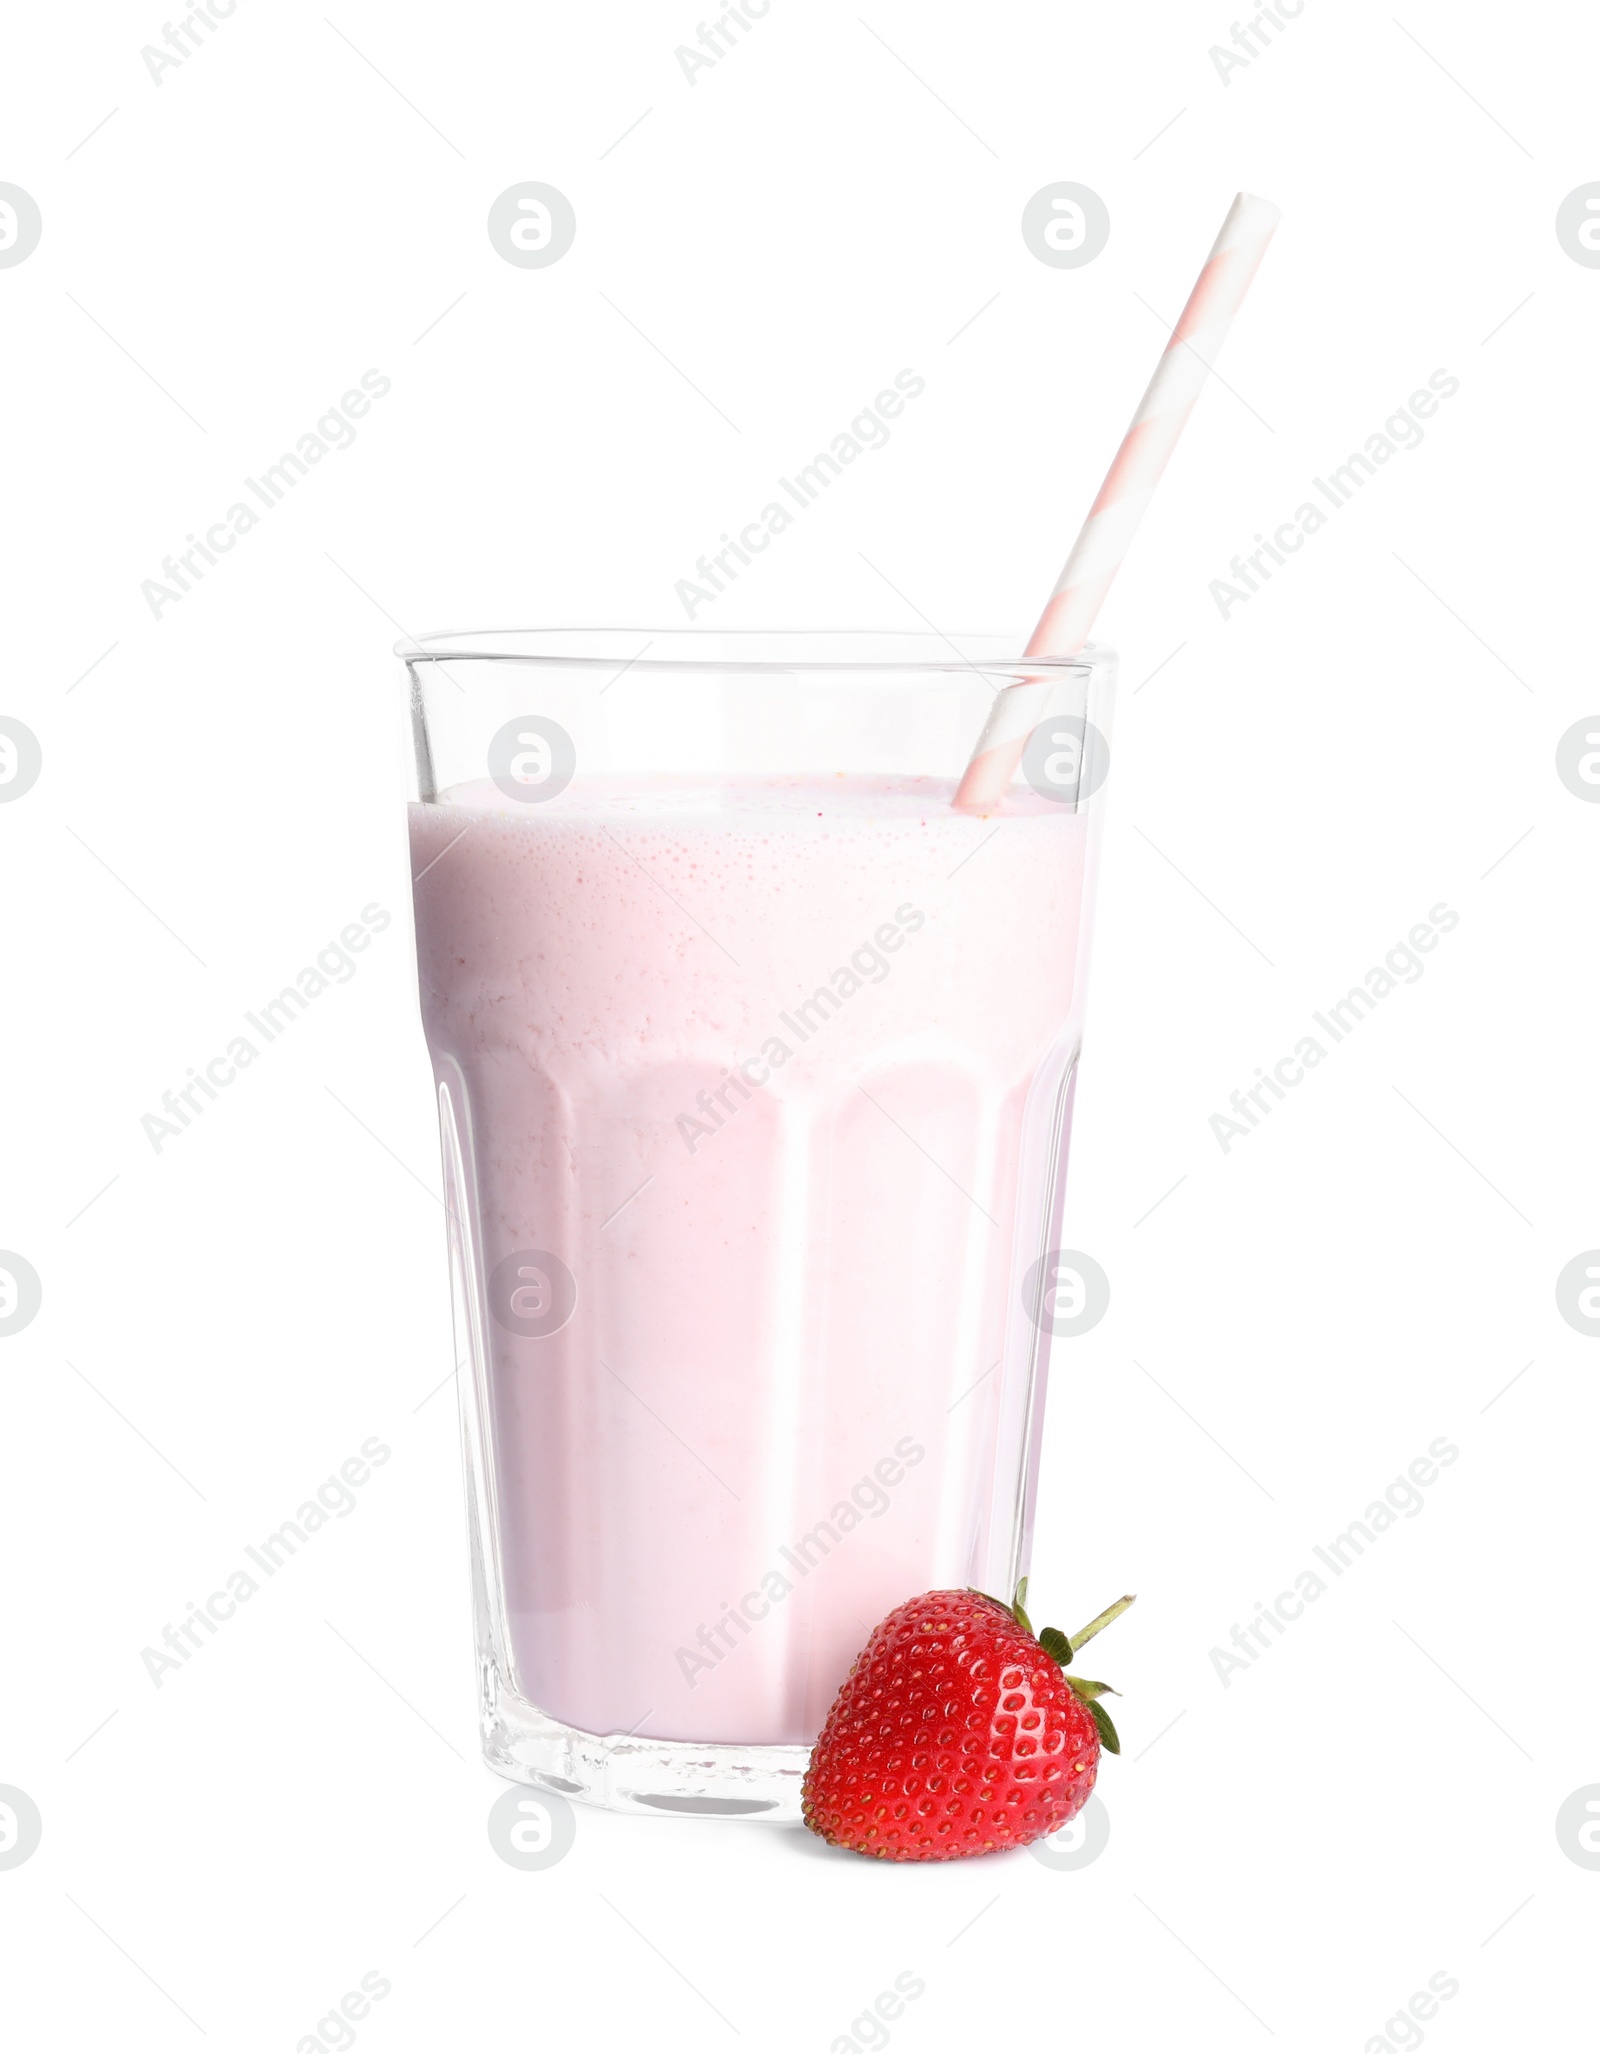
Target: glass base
622, 1773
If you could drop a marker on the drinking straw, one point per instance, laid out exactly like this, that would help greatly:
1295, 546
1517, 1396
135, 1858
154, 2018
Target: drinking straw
1136, 468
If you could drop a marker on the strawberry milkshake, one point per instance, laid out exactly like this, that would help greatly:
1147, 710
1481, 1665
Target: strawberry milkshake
744, 1069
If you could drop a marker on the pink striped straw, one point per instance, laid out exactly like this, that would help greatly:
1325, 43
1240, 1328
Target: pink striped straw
1135, 471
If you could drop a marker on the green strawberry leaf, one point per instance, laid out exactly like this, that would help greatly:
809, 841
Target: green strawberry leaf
1056, 1644
1107, 1732
1017, 1611
1089, 1691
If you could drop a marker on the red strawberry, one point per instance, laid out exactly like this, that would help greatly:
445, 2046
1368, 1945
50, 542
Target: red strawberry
957, 1732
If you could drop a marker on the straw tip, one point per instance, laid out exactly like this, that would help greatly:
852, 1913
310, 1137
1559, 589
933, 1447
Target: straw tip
1266, 211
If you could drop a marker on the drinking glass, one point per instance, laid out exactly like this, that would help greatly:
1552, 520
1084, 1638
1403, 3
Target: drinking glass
754, 1062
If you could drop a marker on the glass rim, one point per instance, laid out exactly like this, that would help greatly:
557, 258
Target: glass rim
668, 650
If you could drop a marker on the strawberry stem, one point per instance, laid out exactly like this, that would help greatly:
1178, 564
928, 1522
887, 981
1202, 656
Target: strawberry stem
1096, 1625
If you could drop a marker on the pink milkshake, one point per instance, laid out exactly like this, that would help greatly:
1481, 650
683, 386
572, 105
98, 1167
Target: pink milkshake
753, 1061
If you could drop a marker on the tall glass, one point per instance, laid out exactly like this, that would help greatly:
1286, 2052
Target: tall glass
754, 1063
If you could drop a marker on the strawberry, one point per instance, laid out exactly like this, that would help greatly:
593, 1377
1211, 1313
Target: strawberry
957, 1732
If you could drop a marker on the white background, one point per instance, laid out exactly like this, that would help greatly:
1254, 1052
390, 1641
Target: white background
1373, 733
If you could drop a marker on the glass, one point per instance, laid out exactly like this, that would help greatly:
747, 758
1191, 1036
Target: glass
755, 1065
